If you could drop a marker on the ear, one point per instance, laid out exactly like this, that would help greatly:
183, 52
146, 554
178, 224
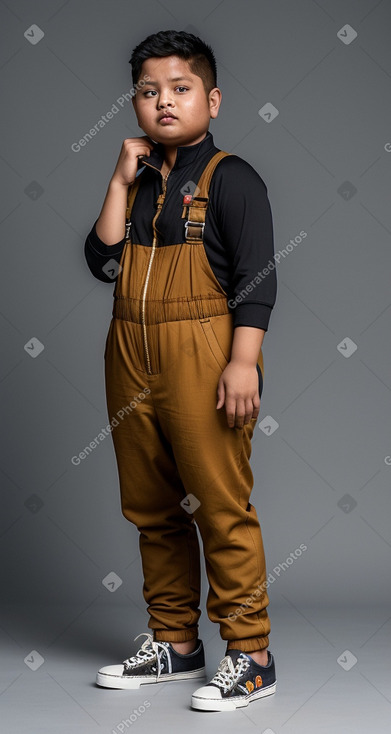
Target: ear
215, 97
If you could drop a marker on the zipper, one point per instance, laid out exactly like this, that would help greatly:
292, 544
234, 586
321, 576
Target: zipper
154, 245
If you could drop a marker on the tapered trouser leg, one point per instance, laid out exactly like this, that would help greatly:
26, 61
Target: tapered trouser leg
151, 491
214, 465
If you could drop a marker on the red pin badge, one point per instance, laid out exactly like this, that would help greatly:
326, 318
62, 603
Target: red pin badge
187, 198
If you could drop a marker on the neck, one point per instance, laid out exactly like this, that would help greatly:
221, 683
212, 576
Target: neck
169, 157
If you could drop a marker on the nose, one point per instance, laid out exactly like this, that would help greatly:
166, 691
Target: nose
164, 100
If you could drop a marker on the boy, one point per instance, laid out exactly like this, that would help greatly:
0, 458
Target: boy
191, 308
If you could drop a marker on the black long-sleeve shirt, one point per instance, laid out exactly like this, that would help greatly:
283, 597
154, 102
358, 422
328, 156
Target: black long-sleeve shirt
238, 233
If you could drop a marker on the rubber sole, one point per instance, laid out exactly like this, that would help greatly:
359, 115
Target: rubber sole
230, 704
132, 683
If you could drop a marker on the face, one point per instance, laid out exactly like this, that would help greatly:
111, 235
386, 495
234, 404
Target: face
173, 88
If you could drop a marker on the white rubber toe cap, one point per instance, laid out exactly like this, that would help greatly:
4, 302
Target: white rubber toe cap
116, 670
208, 692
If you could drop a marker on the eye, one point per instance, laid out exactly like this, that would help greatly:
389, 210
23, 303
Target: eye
154, 91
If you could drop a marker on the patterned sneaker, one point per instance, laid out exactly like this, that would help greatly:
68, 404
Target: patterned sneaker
155, 662
238, 681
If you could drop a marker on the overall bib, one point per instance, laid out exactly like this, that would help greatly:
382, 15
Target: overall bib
178, 461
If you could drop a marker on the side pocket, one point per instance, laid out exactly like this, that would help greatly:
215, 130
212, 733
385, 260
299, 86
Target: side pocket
213, 344
260, 381
119, 277
107, 340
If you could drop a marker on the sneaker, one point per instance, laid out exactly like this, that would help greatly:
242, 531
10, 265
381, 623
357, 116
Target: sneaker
155, 662
238, 681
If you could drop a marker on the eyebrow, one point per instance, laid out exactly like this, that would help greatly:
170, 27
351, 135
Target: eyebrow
173, 79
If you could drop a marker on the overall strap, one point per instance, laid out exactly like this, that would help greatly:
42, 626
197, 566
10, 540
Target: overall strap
194, 207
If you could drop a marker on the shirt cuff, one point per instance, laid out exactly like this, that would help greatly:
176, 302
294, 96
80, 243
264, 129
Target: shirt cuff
252, 314
100, 247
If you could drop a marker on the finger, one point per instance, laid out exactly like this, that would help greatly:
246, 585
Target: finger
240, 413
220, 394
230, 409
256, 405
249, 411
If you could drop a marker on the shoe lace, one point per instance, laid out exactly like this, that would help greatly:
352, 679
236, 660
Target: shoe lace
228, 674
149, 650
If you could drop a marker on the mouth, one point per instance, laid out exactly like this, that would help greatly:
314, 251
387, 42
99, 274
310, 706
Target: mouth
165, 116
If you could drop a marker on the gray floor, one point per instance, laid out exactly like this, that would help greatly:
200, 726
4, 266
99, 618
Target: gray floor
320, 686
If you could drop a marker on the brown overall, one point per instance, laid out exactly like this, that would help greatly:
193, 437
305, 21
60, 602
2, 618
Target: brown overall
178, 460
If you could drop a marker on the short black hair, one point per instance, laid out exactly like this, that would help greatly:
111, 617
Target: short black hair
198, 54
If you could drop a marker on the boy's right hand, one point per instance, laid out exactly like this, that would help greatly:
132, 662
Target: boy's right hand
127, 164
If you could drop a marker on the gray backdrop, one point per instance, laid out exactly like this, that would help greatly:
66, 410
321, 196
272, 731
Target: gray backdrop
307, 102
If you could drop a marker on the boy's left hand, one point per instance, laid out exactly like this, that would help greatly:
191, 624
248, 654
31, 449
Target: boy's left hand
238, 388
